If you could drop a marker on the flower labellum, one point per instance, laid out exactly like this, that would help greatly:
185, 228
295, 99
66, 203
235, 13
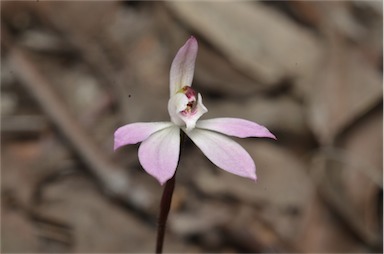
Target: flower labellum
160, 147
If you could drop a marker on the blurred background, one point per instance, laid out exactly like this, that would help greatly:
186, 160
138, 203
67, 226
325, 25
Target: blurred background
73, 72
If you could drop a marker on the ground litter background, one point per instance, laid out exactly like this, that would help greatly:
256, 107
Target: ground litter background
72, 72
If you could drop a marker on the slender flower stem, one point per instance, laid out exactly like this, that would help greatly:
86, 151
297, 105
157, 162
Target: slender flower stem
164, 210
165, 203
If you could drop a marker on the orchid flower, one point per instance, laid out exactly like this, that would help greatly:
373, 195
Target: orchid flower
160, 147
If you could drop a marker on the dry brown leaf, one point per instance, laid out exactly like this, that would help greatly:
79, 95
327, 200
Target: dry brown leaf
346, 184
18, 233
256, 39
97, 224
282, 114
345, 88
282, 190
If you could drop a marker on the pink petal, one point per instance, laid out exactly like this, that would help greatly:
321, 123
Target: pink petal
159, 154
183, 66
235, 127
224, 152
137, 132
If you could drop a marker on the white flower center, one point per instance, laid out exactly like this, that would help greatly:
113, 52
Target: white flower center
185, 108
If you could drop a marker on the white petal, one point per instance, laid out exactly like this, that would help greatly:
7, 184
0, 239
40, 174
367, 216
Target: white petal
183, 66
224, 152
159, 154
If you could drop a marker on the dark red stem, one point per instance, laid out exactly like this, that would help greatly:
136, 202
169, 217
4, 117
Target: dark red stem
164, 210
